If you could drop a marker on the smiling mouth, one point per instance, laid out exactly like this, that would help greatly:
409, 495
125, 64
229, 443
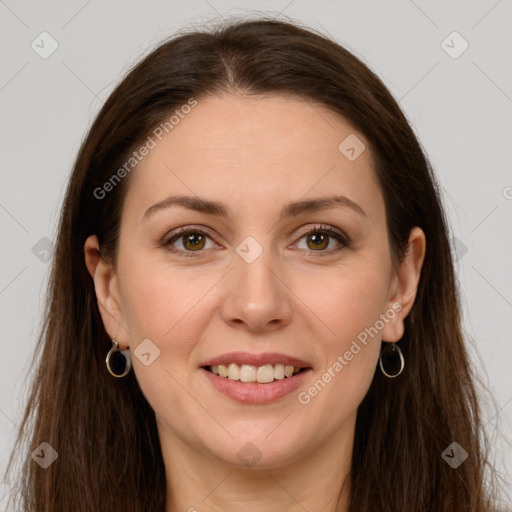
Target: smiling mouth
249, 373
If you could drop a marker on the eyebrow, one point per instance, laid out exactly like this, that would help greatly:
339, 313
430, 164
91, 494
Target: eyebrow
292, 209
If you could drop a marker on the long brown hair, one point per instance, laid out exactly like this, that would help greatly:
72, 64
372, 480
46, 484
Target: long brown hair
104, 430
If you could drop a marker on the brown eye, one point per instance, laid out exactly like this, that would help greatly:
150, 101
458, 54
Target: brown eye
318, 240
188, 241
194, 241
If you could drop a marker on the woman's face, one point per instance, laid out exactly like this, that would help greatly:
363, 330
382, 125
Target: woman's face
255, 288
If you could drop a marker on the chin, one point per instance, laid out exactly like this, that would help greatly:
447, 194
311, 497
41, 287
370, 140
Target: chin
256, 449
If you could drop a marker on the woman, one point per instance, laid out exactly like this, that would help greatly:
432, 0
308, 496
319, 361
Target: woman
253, 302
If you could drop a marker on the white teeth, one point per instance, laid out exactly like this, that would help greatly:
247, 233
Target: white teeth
247, 373
279, 371
250, 373
265, 374
233, 372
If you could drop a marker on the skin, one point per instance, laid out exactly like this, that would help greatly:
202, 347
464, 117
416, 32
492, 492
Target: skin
267, 152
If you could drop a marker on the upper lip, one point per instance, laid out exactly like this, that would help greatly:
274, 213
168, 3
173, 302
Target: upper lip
256, 359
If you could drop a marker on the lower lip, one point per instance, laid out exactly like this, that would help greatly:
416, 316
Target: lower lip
253, 392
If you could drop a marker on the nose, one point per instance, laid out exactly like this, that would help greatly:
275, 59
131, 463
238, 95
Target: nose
256, 296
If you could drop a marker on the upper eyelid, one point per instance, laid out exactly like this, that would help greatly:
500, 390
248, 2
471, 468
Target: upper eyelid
304, 230
322, 227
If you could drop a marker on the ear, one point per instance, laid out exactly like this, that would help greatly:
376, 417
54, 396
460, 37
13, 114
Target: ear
107, 291
404, 285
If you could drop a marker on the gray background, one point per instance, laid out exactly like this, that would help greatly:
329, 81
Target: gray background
460, 108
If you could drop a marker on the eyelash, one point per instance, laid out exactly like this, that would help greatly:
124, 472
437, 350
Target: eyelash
319, 229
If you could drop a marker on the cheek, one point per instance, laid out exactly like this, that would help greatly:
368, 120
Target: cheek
156, 296
163, 304
348, 301
166, 304
349, 332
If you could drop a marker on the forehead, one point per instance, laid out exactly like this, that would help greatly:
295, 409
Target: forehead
263, 150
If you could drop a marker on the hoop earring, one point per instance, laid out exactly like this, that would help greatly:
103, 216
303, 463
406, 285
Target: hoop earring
118, 361
391, 350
